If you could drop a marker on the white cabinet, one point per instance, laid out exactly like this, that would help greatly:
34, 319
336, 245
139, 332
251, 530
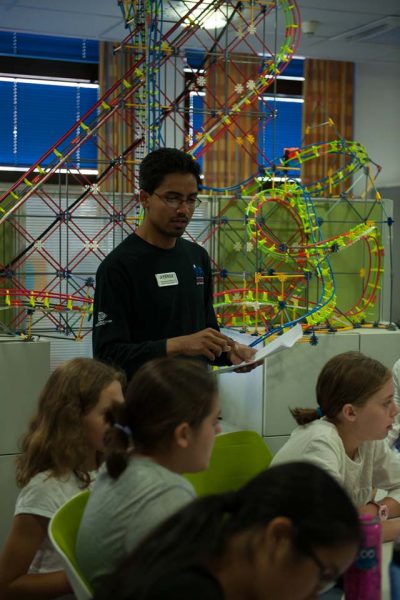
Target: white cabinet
24, 369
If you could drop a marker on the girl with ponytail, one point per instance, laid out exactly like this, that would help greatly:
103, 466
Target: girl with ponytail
166, 428
346, 434
288, 534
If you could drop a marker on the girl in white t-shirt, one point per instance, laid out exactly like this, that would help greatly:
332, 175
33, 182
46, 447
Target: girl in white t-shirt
60, 450
346, 434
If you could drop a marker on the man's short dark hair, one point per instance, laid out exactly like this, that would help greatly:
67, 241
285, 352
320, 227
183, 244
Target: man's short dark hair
164, 161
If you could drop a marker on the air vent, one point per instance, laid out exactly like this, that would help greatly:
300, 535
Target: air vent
383, 31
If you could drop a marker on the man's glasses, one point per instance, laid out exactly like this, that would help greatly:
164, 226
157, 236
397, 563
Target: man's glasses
327, 575
176, 200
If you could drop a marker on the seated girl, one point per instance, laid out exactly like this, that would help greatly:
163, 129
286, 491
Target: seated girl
166, 428
346, 434
394, 434
286, 535
60, 453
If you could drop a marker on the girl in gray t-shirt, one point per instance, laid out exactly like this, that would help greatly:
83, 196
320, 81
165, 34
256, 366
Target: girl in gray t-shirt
166, 427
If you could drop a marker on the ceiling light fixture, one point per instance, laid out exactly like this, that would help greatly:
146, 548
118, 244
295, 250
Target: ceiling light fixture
309, 27
208, 17
216, 20
370, 30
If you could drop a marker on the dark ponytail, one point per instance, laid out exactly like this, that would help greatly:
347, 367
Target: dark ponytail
117, 442
319, 508
302, 416
162, 394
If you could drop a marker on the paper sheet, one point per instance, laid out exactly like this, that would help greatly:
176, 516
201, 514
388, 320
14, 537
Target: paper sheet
286, 340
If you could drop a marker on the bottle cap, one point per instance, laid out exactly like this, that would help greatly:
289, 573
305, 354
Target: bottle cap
369, 519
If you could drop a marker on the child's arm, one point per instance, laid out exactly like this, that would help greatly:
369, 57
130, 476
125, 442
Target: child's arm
26, 535
386, 476
392, 505
391, 527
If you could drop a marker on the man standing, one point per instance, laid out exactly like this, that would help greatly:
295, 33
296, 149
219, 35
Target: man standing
154, 291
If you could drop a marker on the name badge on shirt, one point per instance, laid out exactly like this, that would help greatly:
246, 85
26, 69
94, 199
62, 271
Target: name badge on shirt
165, 279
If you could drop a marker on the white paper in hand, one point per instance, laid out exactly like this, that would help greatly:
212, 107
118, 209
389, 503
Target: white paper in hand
281, 342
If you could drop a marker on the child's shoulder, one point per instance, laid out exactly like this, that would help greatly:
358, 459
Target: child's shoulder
45, 493
143, 466
47, 480
320, 428
148, 474
319, 434
313, 441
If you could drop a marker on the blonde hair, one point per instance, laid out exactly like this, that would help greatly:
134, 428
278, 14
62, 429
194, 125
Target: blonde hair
55, 440
347, 378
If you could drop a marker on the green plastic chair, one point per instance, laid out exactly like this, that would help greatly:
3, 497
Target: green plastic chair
63, 531
237, 456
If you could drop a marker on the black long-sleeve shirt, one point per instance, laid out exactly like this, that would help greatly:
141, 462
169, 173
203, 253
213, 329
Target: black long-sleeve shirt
135, 312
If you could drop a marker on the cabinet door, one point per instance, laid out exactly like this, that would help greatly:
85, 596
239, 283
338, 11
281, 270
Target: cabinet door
24, 369
8, 496
381, 344
242, 401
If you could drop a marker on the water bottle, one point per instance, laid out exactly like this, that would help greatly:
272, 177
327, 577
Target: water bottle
394, 571
363, 579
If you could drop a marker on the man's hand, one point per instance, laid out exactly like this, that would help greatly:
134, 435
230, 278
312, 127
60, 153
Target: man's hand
207, 342
241, 353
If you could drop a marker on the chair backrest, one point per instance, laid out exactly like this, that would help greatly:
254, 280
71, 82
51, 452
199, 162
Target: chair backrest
63, 531
237, 456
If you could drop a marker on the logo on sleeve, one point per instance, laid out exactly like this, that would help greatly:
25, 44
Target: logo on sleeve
102, 319
199, 274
